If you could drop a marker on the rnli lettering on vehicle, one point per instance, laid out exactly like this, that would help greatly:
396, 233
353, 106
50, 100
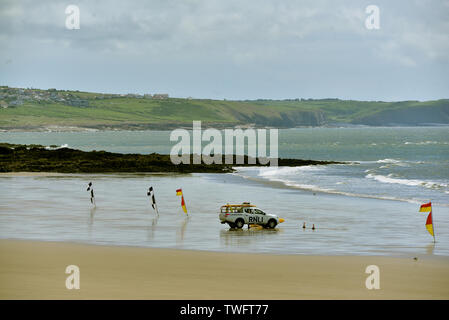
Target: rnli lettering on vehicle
255, 219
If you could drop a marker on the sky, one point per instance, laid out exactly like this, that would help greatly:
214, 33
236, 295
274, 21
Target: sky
230, 49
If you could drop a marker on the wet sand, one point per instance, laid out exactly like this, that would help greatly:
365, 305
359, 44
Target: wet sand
36, 270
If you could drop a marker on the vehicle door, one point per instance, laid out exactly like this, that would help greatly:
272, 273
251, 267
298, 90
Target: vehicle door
248, 215
259, 216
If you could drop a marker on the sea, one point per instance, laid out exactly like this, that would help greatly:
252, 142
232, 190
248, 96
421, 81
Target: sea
369, 205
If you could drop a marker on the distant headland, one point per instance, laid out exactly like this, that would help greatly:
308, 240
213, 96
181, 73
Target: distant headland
38, 110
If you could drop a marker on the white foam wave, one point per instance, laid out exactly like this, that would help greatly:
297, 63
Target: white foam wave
426, 142
408, 182
285, 171
315, 188
65, 145
388, 161
382, 161
394, 162
273, 172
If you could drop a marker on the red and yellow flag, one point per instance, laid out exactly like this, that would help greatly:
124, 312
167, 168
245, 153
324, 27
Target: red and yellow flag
429, 224
426, 207
183, 203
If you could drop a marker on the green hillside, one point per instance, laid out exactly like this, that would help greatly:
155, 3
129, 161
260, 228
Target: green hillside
34, 109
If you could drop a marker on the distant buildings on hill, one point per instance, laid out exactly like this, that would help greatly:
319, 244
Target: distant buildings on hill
157, 96
160, 96
13, 97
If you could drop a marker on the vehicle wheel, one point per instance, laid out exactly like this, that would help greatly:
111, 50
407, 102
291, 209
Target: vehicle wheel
231, 225
239, 223
271, 224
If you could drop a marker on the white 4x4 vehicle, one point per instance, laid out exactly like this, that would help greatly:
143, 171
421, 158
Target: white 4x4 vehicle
237, 215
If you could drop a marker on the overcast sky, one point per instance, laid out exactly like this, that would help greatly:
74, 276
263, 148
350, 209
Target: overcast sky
230, 49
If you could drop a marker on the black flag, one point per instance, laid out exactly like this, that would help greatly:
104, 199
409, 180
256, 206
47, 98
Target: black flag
150, 193
91, 189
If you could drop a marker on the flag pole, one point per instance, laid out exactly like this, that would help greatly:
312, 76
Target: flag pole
155, 204
93, 197
433, 226
187, 212
430, 225
433, 223
90, 188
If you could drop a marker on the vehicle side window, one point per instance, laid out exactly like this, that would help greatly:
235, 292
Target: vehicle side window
248, 210
257, 211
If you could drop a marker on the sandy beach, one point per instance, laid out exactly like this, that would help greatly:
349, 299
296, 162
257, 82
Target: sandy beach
36, 270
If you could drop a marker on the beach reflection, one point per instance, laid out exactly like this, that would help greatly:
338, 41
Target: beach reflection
181, 231
91, 220
91, 215
430, 248
151, 230
233, 237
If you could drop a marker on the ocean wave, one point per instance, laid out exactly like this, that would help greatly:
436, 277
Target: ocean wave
388, 161
284, 171
426, 142
394, 162
279, 176
383, 161
408, 182
270, 172
65, 145
315, 188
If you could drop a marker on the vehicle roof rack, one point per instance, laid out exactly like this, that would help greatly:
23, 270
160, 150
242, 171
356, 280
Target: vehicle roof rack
244, 204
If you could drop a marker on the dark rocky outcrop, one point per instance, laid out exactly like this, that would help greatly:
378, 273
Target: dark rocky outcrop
34, 158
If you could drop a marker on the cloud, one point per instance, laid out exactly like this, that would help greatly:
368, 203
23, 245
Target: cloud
287, 39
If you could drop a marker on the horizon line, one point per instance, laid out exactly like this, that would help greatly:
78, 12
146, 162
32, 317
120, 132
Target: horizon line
221, 99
